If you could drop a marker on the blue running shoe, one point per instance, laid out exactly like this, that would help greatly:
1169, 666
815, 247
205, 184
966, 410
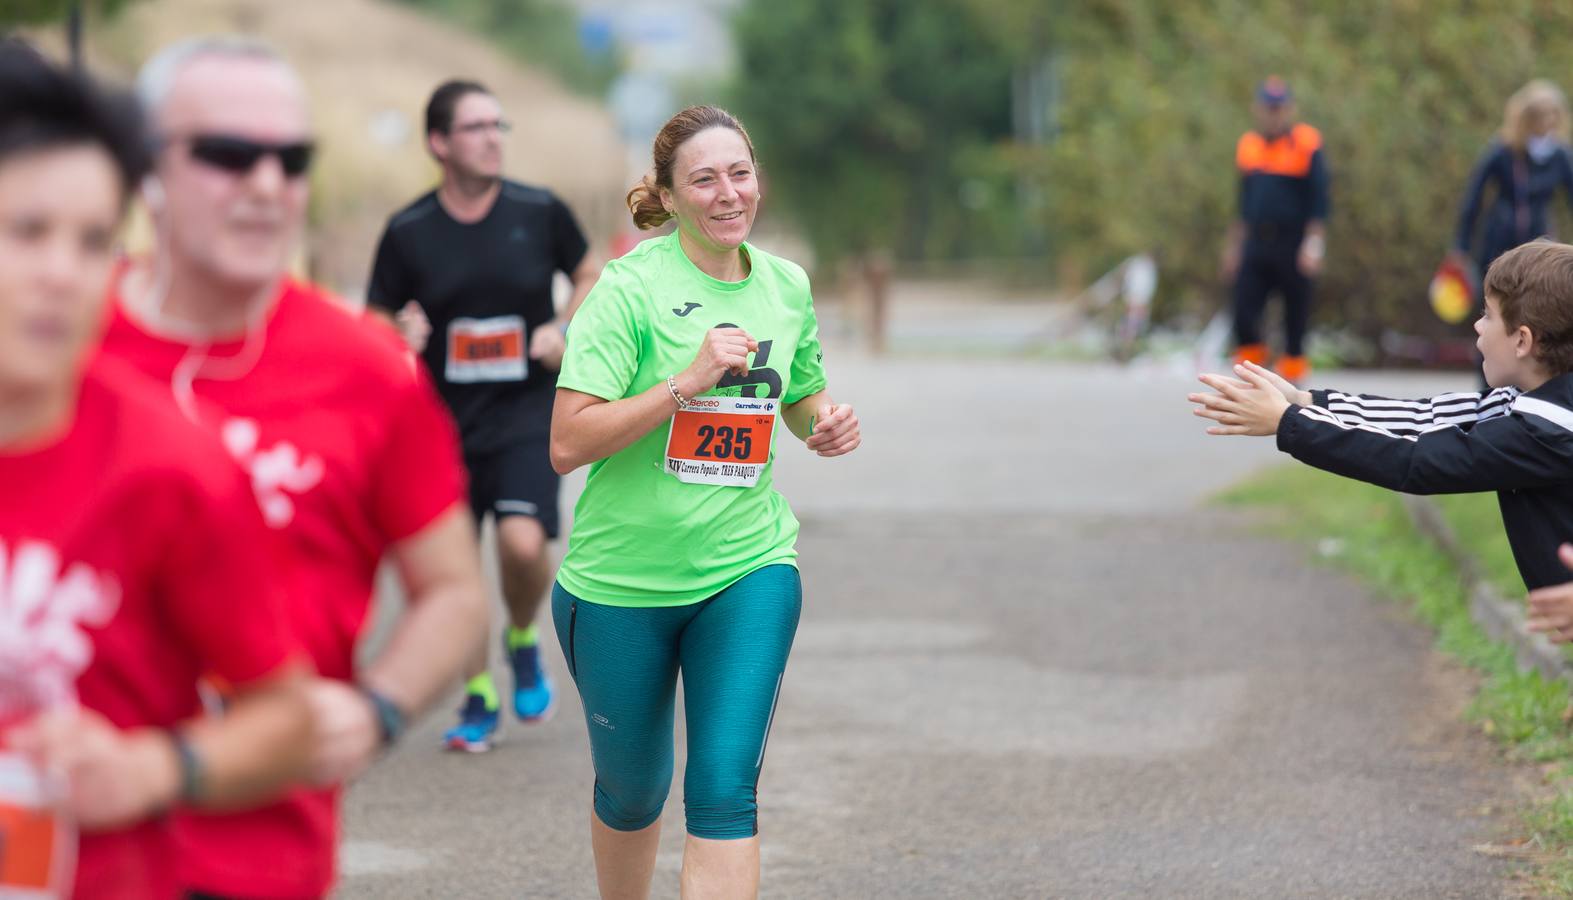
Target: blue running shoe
476, 727
532, 690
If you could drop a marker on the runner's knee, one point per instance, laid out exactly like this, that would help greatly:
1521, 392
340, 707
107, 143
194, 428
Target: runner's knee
632, 800
521, 540
720, 807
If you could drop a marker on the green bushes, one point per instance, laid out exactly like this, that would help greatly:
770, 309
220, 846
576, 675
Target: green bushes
1154, 94
888, 125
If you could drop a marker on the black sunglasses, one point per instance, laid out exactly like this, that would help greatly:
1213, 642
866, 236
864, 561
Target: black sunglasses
240, 155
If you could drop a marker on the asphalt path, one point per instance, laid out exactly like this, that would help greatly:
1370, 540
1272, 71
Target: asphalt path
1034, 662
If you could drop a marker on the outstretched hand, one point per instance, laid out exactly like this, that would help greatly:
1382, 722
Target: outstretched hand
1551, 608
1281, 384
1250, 404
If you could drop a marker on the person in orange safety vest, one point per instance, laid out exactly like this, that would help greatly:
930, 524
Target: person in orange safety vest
1279, 239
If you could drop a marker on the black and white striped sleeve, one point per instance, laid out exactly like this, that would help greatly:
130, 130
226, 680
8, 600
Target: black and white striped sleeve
1413, 417
1525, 449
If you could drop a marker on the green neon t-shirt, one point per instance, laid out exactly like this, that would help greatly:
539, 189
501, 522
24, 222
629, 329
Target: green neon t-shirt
640, 536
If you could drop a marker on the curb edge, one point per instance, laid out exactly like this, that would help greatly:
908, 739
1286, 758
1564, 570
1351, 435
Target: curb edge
1501, 618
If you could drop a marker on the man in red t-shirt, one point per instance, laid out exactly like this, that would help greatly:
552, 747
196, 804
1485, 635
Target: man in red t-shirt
350, 452
132, 558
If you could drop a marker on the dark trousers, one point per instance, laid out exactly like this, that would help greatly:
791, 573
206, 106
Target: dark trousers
1265, 267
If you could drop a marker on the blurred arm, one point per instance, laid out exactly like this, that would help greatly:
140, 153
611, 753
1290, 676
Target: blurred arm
440, 569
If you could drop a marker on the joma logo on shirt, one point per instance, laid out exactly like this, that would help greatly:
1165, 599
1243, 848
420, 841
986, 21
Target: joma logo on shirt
44, 607
687, 308
276, 473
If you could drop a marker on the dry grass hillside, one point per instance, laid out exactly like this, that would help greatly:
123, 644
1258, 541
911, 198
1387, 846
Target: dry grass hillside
370, 65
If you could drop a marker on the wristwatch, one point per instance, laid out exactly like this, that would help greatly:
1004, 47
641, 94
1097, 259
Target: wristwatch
192, 772
390, 719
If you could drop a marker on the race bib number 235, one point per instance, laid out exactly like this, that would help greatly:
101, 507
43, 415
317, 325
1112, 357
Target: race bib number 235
721, 440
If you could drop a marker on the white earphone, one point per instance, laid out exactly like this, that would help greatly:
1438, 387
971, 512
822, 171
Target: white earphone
153, 193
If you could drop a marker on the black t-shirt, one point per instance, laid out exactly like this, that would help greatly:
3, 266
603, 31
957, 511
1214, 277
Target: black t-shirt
485, 287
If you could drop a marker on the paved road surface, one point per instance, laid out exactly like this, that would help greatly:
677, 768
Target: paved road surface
1032, 664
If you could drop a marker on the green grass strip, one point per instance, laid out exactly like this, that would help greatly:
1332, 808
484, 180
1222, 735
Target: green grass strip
1366, 531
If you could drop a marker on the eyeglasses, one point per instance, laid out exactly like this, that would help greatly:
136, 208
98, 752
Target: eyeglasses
503, 126
239, 156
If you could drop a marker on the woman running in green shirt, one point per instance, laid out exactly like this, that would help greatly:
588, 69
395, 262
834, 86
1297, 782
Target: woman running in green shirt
680, 364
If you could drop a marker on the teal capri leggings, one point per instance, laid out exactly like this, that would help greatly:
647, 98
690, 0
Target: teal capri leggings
731, 650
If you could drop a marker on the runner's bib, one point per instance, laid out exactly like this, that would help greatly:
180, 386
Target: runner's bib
486, 350
721, 440
37, 847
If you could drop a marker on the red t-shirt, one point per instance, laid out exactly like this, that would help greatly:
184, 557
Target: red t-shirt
132, 560
350, 450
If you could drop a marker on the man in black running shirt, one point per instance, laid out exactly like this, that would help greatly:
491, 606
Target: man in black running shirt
466, 271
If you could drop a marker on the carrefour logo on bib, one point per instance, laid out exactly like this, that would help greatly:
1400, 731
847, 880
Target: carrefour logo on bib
767, 407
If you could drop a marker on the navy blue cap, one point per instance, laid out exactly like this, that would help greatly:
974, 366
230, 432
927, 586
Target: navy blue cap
1273, 91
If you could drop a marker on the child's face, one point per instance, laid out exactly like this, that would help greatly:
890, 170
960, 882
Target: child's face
1505, 354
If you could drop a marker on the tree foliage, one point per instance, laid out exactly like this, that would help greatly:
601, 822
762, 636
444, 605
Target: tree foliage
543, 33
1154, 94
886, 124
43, 12
866, 113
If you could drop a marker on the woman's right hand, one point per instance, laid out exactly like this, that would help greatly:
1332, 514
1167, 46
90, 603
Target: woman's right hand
724, 350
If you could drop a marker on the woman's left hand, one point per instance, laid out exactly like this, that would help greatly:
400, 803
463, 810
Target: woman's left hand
836, 431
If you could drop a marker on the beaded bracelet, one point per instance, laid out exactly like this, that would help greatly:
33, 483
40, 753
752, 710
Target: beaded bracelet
671, 385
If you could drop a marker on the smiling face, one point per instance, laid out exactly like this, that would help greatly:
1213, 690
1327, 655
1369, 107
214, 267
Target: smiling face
59, 208
715, 190
236, 227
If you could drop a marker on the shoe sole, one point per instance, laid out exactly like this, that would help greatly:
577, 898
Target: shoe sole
459, 744
545, 716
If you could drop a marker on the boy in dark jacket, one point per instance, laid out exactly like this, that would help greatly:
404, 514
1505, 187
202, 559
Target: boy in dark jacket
1516, 440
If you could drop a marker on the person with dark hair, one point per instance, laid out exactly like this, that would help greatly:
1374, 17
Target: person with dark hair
1516, 440
1278, 239
682, 362
350, 455
475, 259
132, 555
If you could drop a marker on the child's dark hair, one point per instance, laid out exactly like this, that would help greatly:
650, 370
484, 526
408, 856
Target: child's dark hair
43, 106
1533, 286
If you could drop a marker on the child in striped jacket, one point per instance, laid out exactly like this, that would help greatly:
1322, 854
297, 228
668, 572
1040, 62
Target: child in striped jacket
1516, 439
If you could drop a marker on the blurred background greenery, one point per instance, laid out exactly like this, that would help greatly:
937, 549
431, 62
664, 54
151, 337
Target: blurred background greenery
1012, 140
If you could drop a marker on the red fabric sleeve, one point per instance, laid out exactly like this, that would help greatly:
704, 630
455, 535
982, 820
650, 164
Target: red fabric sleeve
419, 472
220, 582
